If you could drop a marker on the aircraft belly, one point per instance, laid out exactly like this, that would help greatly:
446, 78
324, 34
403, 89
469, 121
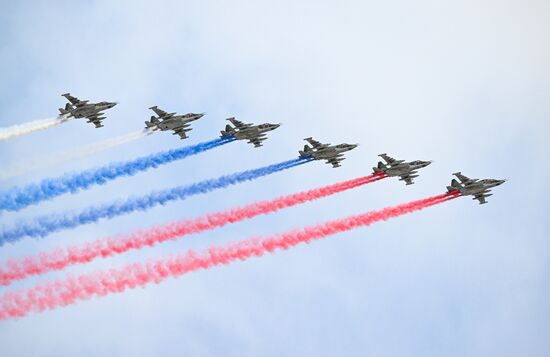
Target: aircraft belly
471, 191
396, 172
327, 154
80, 113
322, 156
242, 136
248, 133
87, 112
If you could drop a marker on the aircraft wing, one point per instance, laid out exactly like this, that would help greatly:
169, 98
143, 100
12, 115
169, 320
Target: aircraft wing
387, 158
161, 113
238, 124
408, 177
316, 144
390, 160
257, 140
96, 119
335, 162
408, 180
461, 177
182, 131
74, 100
480, 198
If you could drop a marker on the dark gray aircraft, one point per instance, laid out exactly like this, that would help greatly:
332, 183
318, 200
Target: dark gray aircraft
255, 134
170, 121
478, 188
82, 109
332, 153
405, 170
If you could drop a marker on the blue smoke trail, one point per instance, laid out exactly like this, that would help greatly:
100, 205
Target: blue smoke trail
21, 197
45, 225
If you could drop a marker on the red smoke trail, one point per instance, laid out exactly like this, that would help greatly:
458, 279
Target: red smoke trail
58, 293
61, 258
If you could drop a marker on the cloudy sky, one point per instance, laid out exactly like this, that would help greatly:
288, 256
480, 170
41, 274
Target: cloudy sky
463, 83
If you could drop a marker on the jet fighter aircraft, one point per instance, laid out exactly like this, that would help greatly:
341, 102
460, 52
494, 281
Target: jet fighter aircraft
332, 153
170, 121
82, 109
255, 134
478, 188
405, 170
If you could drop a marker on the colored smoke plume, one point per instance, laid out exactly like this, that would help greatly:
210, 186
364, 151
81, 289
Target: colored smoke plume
50, 295
61, 258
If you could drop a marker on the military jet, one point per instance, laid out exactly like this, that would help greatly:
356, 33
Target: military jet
255, 134
82, 109
170, 121
332, 153
405, 170
478, 188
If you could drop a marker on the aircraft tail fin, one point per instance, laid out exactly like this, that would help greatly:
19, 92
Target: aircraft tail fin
379, 168
454, 186
66, 110
229, 130
153, 123
306, 152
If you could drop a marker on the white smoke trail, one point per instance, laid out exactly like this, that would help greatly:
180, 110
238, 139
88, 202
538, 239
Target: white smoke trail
72, 154
30, 127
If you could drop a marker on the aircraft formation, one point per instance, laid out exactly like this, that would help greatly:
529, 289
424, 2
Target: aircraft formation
64, 292
256, 134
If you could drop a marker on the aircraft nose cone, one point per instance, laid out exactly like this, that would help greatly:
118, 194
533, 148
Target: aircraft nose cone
500, 182
352, 146
426, 163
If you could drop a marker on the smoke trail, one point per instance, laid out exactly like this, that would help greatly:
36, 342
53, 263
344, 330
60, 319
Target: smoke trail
45, 225
56, 159
58, 293
29, 127
20, 197
102, 248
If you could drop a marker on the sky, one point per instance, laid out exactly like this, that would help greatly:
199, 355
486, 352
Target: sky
465, 84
